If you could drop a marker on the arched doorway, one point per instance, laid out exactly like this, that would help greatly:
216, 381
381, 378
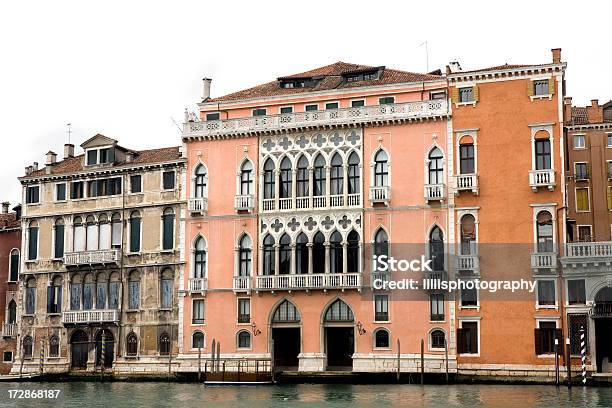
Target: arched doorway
339, 335
602, 314
79, 349
109, 348
286, 335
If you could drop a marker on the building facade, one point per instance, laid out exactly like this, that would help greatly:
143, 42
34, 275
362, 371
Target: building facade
101, 260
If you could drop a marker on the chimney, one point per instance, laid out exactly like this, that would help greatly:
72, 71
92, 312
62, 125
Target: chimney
595, 112
51, 158
5, 207
129, 157
68, 150
556, 55
567, 109
595, 103
454, 66
35, 166
17, 210
206, 88
28, 170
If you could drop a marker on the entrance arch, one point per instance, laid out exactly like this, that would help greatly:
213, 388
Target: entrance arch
286, 335
602, 314
339, 335
109, 348
79, 350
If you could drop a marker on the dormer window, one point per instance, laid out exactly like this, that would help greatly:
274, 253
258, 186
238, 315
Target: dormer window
361, 76
100, 156
295, 83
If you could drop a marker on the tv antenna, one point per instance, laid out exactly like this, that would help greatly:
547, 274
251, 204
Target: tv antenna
426, 54
69, 131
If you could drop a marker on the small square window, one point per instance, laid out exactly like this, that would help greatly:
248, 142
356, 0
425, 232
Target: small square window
136, 183
168, 177
244, 310
310, 108
358, 103
540, 87
286, 109
381, 309
576, 293
546, 293
60, 192
260, 112
7, 357
32, 195
584, 233
385, 100
437, 95
105, 156
466, 95
77, 190
332, 105
213, 116
92, 157
580, 171
469, 297
609, 140
579, 142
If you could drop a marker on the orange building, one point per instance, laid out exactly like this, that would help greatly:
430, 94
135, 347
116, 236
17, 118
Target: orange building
10, 244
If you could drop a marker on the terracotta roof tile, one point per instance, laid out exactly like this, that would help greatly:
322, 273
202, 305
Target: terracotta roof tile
9, 221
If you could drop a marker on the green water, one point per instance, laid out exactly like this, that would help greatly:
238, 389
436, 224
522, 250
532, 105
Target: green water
151, 394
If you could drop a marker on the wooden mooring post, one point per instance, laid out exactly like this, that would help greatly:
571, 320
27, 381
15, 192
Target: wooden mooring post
422, 361
199, 363
398, 360
446, 357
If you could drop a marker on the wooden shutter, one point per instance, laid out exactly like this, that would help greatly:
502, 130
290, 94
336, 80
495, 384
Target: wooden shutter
551, 85
461, 343
538, 341
475, 93
609, 194
530, 90
50, 299
58, 300
135, 235
59, 241
455, 95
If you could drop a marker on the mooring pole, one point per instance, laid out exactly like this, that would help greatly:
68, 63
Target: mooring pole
422, 362
272, 360
583, 354
398, 359
569, 361
42, 355
103, 353
212, 355
219, 357
446, 357
556, 361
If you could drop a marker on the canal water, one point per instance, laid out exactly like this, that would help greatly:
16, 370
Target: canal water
161, 394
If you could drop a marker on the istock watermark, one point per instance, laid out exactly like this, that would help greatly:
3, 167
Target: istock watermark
491, 286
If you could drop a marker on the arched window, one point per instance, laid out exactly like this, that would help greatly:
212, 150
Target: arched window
438, 339
168, 229
542, 154
89, 290
101, 290
381, 338
269, 180
436, 248
468, 234
54, 296
14, 266
436, 167
335, 253
27, 347
268, 255
30, 296
58, 238
285, 178
352, 252
318, 253
199, 265
544, 231
135, 222
301, 253
78, 234
105, 232
200, 181
285, 255
245, 248
339, 311
381, 243
318, 175
54, 346
197, 340
164, 344
134, 291
76, 290
92, 233
244, 339
336, 178
131, 342
246, 178
466, 158
166, 288
11, 317
286, 312
354, 183
33, 241
302, 177
116, 230
381, 169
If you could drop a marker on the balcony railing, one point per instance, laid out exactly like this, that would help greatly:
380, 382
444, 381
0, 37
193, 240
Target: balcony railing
100, 256
435, 192
309, 281
468, 263
587, 252
90, 316
542, 178
602, 310
466, 182
380, 195
303, 203
314, 119
544, 261
197, 205
244, 202
9, 330
242, 283
198, 284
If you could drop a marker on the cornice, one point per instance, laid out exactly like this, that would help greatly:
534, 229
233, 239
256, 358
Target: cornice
502, 73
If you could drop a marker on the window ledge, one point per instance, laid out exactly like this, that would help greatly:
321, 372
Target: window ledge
131, 357
469, 355
60, 201
132, 310
546, 355
382, 321
198, 324
32, 204
436, 349
243, 324
167, 251
382, 348
473, 103
545, 96
54, 314
547, 307
470, 307
437, 321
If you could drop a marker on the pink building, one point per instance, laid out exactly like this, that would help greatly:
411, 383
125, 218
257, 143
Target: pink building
293, 184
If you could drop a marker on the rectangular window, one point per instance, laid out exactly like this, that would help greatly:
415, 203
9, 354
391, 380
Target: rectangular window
332, 105
546, 293
197, 315
609, 140
135, 234
77, 190
260, 112
168, 231
576, 292
7, 357
88, 295
54, 299
32, 194
286, 109
469, 297
466, 159
107, 155
436, 307
168, 180
213, 116
101, 295
92, 157
60, 192
466, 95
584, 233
467, 338
358, 103
385, 100
58, 244
580, 171
136, 183
134, 295
540, 87
32, 243
576, 323
244, 310
437, 95
14, 273
30, 301
381, 308
166, 293
542, 154
310, 108
75, 296
579, 142
113, 295
582, 199
545, 337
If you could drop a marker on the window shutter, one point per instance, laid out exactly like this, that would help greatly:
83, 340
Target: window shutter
530, 90
58, 301
455, 95
538, 341
461, 343
609, 194
551, 85
50, 302
475, 93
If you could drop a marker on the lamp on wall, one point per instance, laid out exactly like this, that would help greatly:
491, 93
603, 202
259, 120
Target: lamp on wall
255, 330
360, 328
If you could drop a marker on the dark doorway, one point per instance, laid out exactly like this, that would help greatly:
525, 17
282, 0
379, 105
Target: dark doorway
286, 346
339, 347
79, 347
109, 348
603, 334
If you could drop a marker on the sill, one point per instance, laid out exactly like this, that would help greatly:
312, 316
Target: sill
133, 253
382, 321
131, 357
469, 355
546, 355
438, 321
473, 103
32, 204
12, 281
136, 193
198, 324
578, 148
31, 261
244, 348
547, 307
382, 348
28, 315
438, 349
167, 251
545, 96
54, 314
477, 307
60, 201
165, 309
244, 324
132, 310
195, 350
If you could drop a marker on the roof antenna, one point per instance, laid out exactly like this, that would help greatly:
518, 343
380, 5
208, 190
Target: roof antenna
177, 125
69, 131
426, 54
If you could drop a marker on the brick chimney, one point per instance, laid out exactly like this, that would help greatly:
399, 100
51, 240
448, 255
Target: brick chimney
567, 109
51, 158
595, 112
5, 207
556, 55
68, 150
206, 88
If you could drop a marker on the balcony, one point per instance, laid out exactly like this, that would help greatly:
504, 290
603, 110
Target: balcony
582, 253
244, 203
242, 283
601, 310
90, 316
309, 203
466, 182
271, 124
9, 330
380, 195
435, 192
197, 205
309, 281
198, 285
468, 264
542, 178
544, 262
100, 256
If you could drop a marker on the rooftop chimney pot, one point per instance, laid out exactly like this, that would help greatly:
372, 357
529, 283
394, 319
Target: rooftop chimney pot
68, 150
206, 88
556, 55
35, 166
454, 66
5, 207
595, 103
51, 158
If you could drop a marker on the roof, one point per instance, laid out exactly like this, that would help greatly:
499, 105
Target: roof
501, 67
329, 77
9, 221
75, 164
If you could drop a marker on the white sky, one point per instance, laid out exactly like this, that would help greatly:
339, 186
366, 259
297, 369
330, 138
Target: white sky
124, 68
